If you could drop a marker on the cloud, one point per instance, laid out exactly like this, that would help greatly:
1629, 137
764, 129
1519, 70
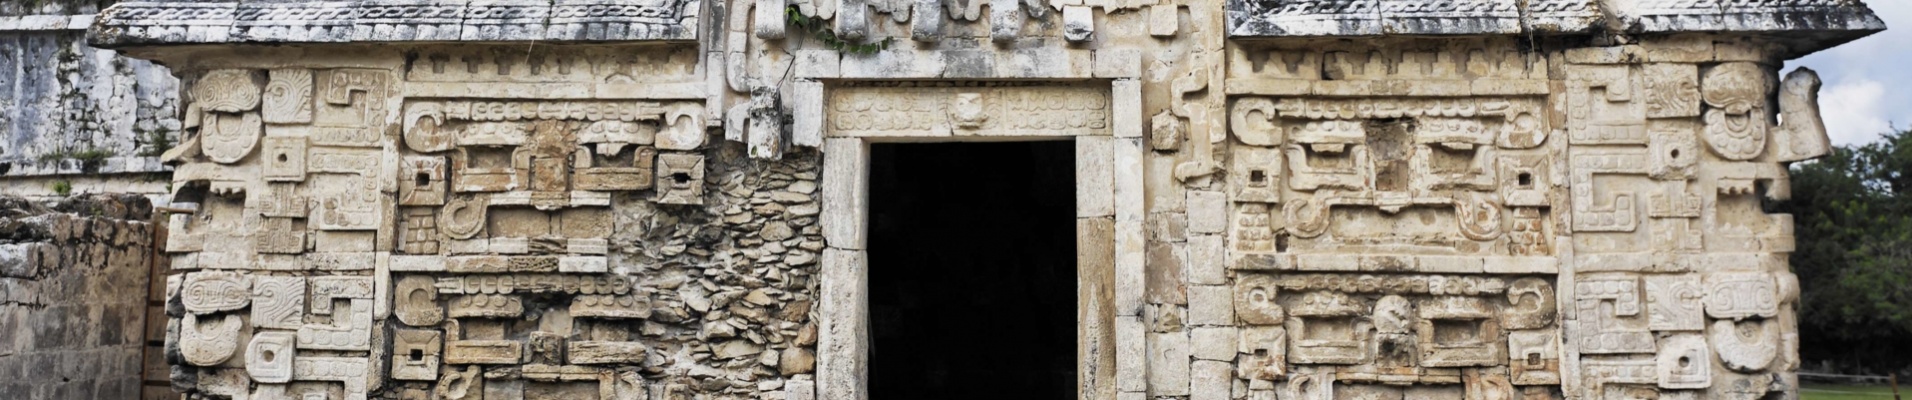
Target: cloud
1855, 103
1854, 112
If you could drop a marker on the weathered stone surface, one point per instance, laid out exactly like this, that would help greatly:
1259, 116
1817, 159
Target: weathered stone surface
1307, 18
141, 23
1439, 210
75, 281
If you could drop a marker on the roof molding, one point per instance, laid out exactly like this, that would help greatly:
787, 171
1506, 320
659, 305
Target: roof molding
386, 21
1811, 24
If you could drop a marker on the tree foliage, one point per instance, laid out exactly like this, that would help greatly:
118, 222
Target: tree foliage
1853, 218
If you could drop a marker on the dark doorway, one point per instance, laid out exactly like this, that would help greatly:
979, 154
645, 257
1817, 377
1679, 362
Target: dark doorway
972, 271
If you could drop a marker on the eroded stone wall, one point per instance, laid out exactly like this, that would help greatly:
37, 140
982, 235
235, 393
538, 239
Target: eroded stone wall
73, 290
441, 222
1523, 208
75, 118
67, 108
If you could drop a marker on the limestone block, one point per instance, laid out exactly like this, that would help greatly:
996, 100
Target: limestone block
1131, 261
1207, 212
1216, 343
1131, 354
680, 178
1684, 362
815, 64
269, 357
350, 371
1211, 305
417, 301
845, 192
1534, 357
1255, 300
278, 301
1005, 20
1078, 23
605, 352
806, 102
843, 353
769, 21
1745, 346
1207, 260
1168, 365
1095, 303
1095, 175
214, 291
415, 354
1211, 380
1126, 107
1118, 63
1162, 19
209, 343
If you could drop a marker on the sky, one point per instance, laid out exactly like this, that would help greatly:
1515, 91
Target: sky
1857, 101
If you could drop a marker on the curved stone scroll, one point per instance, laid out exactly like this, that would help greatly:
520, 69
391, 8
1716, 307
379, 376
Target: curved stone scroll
1802, 135
211, 343
1745, 346
1736, 122
210, 292
227, 91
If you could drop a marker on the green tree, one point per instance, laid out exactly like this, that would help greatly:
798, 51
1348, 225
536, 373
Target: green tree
1853, 216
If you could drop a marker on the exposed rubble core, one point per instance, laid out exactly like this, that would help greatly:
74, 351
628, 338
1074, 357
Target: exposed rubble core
1274, 199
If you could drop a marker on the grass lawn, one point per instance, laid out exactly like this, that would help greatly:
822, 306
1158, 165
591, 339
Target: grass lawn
1819, 391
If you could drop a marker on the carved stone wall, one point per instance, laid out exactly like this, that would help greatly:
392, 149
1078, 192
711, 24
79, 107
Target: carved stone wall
1275, 200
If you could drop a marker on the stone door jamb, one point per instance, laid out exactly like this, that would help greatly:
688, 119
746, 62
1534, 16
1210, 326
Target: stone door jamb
1109, 204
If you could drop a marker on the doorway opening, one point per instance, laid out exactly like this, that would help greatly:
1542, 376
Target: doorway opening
972, 270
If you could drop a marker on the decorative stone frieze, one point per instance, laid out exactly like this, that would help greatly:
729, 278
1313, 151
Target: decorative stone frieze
1313, 199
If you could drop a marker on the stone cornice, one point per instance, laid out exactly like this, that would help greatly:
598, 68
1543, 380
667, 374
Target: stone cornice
374, 21
1816, 23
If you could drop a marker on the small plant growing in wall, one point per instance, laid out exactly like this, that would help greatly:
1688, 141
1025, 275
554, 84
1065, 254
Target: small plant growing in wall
62, 187
817, 28
154, 142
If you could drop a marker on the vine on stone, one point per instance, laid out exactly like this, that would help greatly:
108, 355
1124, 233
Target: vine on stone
817, 29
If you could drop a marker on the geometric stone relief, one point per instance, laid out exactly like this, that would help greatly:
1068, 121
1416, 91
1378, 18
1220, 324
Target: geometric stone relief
1614, 317
350, 371
269, 357
351, 330
415, 354
1534, 357
1685, 362
278, 301
1405, 217
1673, 303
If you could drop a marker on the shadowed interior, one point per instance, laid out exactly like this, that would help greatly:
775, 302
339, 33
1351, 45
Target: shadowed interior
972, 270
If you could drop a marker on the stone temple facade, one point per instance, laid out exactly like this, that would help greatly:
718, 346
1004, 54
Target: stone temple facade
1275, 199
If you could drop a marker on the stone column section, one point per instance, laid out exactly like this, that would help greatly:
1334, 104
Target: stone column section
1095, 268
1127, 153
843, 347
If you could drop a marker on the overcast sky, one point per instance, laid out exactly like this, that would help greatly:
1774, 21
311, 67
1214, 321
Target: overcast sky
1859, 100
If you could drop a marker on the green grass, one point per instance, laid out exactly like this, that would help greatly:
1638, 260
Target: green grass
1820, 391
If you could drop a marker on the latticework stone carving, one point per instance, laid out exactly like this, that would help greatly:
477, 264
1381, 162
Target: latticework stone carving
1470, 201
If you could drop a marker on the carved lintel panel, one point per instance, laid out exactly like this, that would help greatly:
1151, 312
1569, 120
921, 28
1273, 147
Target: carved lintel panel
968, 110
